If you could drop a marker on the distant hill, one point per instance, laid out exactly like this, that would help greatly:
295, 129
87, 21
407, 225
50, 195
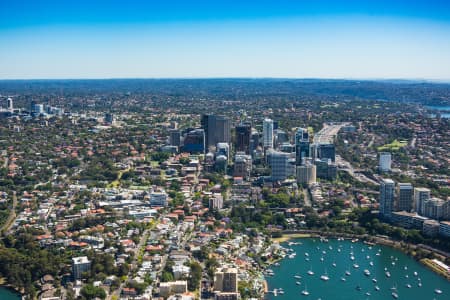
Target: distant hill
427, 93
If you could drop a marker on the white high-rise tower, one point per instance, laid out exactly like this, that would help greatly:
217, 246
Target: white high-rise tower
268, 133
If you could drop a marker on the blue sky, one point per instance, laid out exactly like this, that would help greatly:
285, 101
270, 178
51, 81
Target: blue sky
280, 38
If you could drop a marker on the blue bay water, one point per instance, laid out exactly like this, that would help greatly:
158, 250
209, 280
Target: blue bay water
7, 294
400, 266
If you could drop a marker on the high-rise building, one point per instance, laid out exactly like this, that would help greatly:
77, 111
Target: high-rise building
387, 187
194, 141
268, 133
306, 173
326, 151
281, 164
9, 104
37, 109
405, 197
325, 169
435, 208
420, 196
254, 141
217, 129
109, 118
223, 149
216, 201
281, 137
385, 161
79, 265
175, 137
243, 133
242, 165
302, 147
226, 280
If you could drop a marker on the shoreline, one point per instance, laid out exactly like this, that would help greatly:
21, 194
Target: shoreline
288, 236
10, 287
12, 290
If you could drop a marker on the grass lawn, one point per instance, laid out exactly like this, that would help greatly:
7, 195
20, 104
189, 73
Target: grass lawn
394, 146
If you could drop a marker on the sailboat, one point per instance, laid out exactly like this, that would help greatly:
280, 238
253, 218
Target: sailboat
394, 292
305, 291
438, 291
310, 271
325, 277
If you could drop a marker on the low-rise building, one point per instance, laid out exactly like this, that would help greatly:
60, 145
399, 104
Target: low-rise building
444, 229
158, 198
172, 287
430, 227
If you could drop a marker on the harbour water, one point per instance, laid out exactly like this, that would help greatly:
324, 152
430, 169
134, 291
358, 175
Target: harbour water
444, 110
346, 270
7, 294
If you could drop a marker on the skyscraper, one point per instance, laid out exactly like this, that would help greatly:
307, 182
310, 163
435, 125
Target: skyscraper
387, 187
301, 145
405, 197
243, 132
217, 129
9, 104
268, 133
385, 161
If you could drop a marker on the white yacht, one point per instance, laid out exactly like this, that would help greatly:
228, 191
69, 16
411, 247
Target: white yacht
438, 291
325, 276
305, 291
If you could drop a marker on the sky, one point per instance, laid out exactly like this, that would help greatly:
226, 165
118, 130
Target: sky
382, 39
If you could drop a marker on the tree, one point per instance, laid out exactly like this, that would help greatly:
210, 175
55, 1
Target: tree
196, 276
90, 292
166, 276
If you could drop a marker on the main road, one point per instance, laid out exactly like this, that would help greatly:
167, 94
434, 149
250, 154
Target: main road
328, 132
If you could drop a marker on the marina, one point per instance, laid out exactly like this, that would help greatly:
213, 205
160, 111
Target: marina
377, 272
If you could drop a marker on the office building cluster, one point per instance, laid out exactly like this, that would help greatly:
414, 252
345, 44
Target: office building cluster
299, 156
35, 110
